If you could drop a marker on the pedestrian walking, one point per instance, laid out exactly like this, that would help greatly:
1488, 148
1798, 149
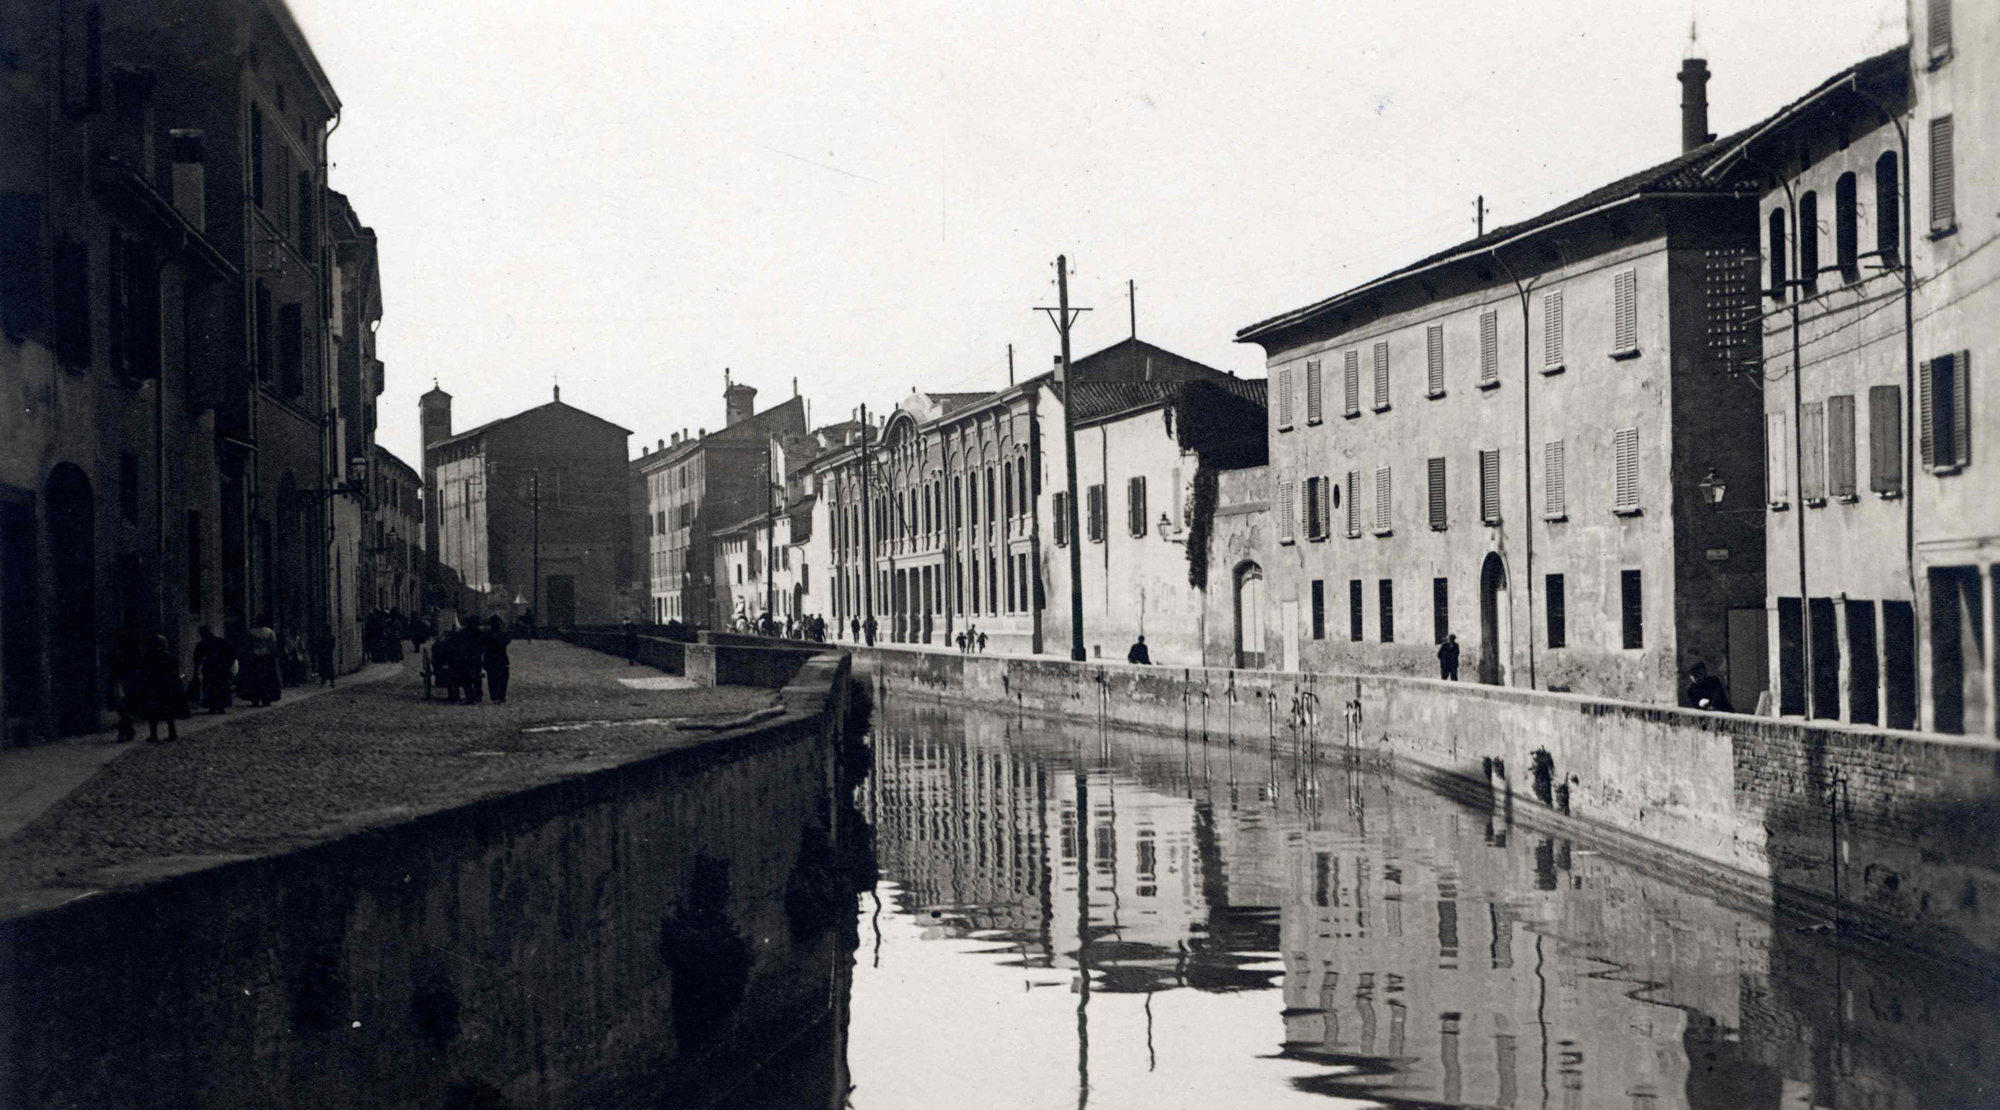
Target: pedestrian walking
214, 668
322, 653
258, 679
493, 646
854, 628
868, 631
982, 643
960, 641
1448, 658
1139, 654
153, 691
394, 629
631, 643
1706, 691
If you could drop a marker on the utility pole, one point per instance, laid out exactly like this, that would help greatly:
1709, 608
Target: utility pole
1479, 213
535, 594
867, 544
1063, 316
1010, 364
1132, 304
770, 537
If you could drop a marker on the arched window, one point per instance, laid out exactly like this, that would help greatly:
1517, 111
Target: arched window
1007, 488
1846, 228
1021, 480
1776, 249
1888, 209
1808, 231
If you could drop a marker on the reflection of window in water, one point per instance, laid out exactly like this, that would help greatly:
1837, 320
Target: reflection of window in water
1104, 847
1147, 863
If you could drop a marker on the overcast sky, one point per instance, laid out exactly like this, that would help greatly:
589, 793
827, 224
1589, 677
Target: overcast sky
630, 195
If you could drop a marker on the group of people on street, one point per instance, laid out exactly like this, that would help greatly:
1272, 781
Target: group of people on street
969, 640
147, 684
384, 630
473, 656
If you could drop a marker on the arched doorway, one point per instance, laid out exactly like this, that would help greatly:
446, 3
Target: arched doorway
1495, 633
75, 680
1249, 616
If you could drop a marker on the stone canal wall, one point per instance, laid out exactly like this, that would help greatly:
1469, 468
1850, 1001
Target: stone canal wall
1907, 824
627, 936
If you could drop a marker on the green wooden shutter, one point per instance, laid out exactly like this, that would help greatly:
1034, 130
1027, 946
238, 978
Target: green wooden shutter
1434, 360
1312, 391
1840, 445
1625, 442
1625, 308
1353, 504
1552, 330
1812, 452
1437, 505
1489, 487
1961, 410
1555, 494
1381, 498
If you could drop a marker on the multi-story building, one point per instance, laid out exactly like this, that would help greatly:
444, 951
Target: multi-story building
697, 484
162, 297
392, 554
529, 510
1504, 442
962, 498
358, 378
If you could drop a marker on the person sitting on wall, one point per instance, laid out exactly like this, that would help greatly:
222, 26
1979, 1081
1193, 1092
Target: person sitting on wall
1448, 658
1139, 654
1705, 691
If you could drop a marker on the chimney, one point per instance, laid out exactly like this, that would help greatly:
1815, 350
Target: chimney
190, 188
677, 439
1694, 104
644, 450
739, 401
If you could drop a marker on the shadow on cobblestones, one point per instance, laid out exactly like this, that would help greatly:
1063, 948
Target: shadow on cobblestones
271, 779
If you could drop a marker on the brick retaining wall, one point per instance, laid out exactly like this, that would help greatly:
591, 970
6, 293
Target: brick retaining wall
1736, 802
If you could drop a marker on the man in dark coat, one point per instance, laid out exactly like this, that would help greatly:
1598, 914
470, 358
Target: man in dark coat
214, 662
1139, 654
1706, 691
153, 692
126, 652
493, 654
1448, 658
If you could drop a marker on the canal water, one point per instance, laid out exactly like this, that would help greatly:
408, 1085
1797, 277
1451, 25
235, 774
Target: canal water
1069, 916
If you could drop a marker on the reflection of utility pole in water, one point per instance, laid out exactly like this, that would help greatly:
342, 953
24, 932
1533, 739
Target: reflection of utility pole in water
1082, 936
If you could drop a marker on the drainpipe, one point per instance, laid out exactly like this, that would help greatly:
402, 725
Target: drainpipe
1527, 455
946, 506
1035, 522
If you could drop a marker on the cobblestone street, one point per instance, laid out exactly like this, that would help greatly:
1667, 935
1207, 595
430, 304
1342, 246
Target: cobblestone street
360, 755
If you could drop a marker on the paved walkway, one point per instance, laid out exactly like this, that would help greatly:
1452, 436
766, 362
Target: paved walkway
327, 764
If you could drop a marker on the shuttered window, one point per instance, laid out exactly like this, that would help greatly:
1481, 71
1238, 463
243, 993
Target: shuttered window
1625, 446
1435, 492
1312, 391
1059, 510
1846, 228
1633, 604
1555, 492
1557, 607
1351, 397
1381, 500
1808, 235
1381, 376
1944, 199
1489, 348
1840, 446
1552, 331
1285, 512
1135, 505
1489, 487
1812, 453
1095, 504
1888, 206
1885, 439
1354, 615
1777, 460
1938, 20
1285, 400
1353, 504
1943, 425
1434, 360
1325, 507
1625, 310
1310, 505
1440, 609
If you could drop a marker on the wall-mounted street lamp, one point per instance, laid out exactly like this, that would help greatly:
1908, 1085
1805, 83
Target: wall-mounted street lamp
1714, 489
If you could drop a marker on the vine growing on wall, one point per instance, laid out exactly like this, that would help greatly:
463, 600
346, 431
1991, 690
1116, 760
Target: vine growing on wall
1202, 512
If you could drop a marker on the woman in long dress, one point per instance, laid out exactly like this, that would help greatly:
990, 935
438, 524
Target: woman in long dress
155, 694
259, 683
214, 659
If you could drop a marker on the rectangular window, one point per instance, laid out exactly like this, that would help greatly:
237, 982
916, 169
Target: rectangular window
1863, 706
1885, 439
1840, 446
1284, 407
1899, 664
1633, 607
1489, 487
292, 350
1312, 391
1319, 608
1135, 504
1808, 245
1434, 361
262, 321
1385, 592
1938, 20
1778, 460
1314, 523
1354, 610
1325, 506
1059, 509
1812, 453
1555, 491
1435, 493
1011, 601
1440, 609
1382, 526
1353, 504
195, 562
1557, 608
1489, 349
1625, 312
257, 154
1351, 384
1095, 506
1944, 197
1552, 331
1944, 420
1382, 377
1625, 446
1286, 510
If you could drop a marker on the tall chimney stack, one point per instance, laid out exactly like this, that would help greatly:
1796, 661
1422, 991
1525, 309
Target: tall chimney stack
1694, 104
739, 401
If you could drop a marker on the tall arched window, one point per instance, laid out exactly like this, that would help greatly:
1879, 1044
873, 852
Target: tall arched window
1776, 249
1007, 488
1808, 232
1846, 228
1021, 480
1888, 209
